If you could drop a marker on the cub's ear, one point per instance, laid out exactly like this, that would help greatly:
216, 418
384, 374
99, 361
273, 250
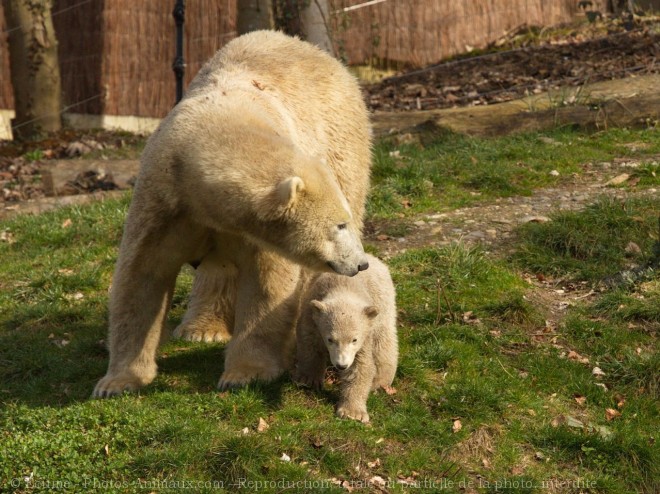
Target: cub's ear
288, 191
370, 311
318, 306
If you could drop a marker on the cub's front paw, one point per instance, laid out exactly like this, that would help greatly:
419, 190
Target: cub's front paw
353, 412
308, 380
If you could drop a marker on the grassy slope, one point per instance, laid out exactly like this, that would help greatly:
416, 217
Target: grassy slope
510, 384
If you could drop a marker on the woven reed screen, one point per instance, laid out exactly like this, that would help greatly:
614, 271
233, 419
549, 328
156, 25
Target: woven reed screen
421, 32
116, 55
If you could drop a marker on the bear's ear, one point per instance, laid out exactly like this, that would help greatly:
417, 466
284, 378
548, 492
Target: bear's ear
318, 306
288, 190
370, 311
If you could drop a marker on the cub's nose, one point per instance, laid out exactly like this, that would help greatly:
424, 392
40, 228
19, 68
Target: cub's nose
363, 266
342, 367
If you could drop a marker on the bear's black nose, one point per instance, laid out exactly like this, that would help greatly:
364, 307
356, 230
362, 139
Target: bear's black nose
363, 266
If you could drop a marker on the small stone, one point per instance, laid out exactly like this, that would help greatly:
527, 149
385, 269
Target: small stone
535, 219
420, 223
491, 233
554, 173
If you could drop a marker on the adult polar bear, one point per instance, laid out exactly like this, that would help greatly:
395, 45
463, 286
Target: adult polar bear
262, 168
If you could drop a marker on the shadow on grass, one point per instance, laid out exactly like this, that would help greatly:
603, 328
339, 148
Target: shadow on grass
55, 359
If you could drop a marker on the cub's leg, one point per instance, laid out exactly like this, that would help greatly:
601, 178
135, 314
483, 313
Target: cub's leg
311, 354
152, 252
210, 314
386, 357
356, 383
267, 303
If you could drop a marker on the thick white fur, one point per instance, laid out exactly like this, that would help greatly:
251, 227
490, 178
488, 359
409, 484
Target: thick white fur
261, 172
352, 323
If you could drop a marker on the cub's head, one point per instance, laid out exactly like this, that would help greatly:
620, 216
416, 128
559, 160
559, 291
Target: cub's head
309, 220
343, 325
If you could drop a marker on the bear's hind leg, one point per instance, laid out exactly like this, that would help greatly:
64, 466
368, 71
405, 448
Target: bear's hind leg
150, 258
267, 304
210, 314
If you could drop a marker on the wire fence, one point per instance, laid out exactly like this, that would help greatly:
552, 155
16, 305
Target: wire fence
116, 57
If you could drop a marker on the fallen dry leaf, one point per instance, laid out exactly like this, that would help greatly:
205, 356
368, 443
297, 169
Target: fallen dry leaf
7, 236
597, 371
470, 318
262, 425
456, 426
374, 464
618, 180
382, 237
285, 457
389, 390
580, 400
611, 414
572, 355
377, 480
486, 463
67, 223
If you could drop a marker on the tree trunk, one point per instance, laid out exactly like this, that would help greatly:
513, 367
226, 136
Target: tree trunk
254, 15
315, 19
35, 71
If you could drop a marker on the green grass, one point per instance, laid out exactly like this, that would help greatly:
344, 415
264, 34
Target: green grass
591, 244
473, 349
452, 170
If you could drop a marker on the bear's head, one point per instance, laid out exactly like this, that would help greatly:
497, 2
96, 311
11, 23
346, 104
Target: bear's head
307, 218
344, 325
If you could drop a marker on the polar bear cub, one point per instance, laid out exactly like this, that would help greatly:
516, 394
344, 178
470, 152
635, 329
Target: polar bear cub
352, 323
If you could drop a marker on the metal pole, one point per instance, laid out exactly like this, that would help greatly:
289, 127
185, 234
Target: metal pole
179, 67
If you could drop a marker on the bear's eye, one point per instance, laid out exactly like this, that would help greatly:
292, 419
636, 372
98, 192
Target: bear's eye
342, 226
330, 340
355, 340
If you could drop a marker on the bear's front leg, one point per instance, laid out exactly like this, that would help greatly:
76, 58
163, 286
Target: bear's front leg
355, 385
151, 255
267, 303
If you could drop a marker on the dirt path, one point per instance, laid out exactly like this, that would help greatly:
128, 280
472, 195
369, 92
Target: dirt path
493, 223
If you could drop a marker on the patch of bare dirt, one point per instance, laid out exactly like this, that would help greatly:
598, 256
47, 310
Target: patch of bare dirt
569, 61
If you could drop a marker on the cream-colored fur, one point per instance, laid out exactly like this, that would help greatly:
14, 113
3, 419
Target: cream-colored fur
261, 172
352, 323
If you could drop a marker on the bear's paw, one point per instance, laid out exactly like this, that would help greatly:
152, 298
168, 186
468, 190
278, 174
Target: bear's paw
353, 412
208, 333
